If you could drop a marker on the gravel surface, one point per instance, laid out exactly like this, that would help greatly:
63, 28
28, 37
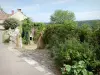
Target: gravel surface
42, 56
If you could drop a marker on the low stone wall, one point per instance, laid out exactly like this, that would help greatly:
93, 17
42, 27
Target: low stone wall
14, 38
1, 27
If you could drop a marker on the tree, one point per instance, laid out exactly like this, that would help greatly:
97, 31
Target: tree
11, 23
60, 16
96, 25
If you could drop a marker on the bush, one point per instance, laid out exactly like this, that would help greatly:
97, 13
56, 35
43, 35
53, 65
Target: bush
10, 23
85, 33
58, 32
70, 44
96, 42
78, 68
72, 50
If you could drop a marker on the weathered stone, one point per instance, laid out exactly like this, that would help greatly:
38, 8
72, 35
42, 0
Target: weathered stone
40, 43
15, 38
6, 37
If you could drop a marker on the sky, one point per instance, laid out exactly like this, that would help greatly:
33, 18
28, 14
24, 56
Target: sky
41, 10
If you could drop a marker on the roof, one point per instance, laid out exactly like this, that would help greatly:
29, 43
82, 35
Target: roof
3, 15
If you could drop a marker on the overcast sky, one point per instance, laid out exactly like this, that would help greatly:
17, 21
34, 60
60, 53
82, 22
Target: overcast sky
40, 10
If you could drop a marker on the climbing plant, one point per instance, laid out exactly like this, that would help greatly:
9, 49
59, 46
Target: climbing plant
26, 28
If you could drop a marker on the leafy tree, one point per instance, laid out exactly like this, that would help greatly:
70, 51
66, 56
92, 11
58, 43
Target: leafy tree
58, 32
60, 16
96, 25
11, 23
70, 23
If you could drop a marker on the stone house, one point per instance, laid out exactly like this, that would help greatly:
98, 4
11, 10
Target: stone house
3, 16
17, 15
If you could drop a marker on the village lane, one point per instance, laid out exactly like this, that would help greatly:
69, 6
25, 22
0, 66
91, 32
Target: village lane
10, 64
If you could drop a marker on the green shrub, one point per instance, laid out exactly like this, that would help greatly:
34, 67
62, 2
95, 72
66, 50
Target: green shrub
36, 36
72, 50
70, 44
27, 26
58, 32
79, 68
85, 33
38, 25
96, 42
10, 23
26, 38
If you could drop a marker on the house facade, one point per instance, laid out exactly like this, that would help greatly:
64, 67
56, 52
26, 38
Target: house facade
17, 15
3, 16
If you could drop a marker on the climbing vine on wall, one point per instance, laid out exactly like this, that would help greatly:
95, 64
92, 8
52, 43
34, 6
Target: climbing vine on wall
26, 28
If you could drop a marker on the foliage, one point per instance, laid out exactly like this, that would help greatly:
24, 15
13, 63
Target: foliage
96, 42
39, 27
58, 32
72, 50
60, 16
79, 68
11, 23
26, 28
96, 25
85, 33
89, 22
69, 44
70, 23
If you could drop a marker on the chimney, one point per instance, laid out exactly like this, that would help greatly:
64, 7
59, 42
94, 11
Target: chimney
19, 10
12, 12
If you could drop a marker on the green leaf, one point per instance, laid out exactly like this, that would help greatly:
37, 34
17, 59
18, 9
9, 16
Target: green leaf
68, 68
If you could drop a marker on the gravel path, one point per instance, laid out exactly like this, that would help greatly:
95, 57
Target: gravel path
42, 56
